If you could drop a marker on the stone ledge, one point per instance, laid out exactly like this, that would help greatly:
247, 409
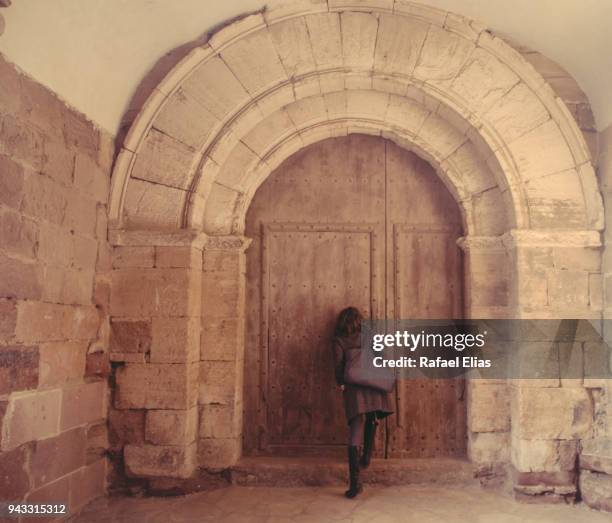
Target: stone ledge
177, 238
295, 472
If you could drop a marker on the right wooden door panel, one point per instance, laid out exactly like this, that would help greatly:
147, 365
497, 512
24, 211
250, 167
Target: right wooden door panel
424, 281
349, 221
427, 280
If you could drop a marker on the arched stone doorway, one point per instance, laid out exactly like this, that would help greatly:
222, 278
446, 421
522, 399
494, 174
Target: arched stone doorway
352, 220
505, 146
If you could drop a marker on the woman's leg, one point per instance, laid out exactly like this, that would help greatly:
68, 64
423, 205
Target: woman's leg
355, 440
369, 434
356, 431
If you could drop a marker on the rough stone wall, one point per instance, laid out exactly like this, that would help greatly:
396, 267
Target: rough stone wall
54, 183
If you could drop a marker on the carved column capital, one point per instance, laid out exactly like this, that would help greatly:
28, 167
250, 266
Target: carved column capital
480, 243
227, 243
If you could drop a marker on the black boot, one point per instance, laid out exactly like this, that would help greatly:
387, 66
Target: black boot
369, 434
355, 486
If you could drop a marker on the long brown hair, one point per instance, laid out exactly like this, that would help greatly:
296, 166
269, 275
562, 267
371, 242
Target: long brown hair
348, 322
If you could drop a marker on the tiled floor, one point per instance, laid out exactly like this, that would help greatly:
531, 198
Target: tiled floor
326, 504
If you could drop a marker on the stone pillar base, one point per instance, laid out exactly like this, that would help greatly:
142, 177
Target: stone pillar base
545, 487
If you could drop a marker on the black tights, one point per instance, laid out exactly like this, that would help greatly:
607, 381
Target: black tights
356, 428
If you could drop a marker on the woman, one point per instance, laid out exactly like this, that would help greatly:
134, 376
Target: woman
362, 405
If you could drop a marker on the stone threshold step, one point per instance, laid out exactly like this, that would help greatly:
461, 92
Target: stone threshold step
299, 472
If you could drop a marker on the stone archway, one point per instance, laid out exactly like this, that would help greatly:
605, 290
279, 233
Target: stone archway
266, 86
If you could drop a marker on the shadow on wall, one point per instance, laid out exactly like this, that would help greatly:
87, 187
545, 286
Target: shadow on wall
161, 68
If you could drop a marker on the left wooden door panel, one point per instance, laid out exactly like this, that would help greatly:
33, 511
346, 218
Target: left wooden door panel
309, 275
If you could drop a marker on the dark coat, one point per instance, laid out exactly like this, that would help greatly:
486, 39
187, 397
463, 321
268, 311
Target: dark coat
357, 399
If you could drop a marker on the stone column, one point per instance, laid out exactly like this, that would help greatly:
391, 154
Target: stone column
488, 294
557, 275
156, 286
222, 352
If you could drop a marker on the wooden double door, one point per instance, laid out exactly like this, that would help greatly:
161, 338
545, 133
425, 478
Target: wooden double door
348, 221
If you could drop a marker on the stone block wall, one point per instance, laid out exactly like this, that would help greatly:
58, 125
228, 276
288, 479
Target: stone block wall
488, 294
534, 429
54, 183
596, 454
177, 354
557, 277
155, 352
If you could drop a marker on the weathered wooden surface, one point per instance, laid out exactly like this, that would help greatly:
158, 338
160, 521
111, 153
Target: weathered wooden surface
348, 221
